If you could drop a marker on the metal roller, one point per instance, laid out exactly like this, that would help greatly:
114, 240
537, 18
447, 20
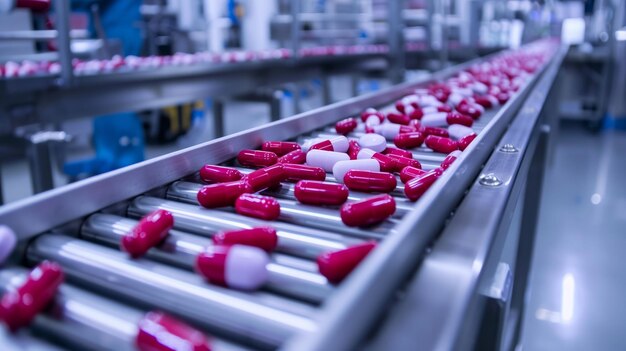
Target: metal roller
85, 321
254, 318
296, 213
181, 249
293, 240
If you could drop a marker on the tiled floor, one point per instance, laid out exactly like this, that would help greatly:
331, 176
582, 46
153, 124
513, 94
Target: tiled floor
578, 275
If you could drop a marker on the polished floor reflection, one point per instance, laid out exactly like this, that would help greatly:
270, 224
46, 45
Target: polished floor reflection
578, 275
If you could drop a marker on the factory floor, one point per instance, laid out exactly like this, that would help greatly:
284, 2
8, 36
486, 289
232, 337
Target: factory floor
578, 277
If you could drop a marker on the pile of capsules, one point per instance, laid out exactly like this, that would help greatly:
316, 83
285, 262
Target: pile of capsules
12, 69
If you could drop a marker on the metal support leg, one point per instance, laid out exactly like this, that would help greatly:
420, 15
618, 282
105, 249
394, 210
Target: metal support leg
275, 105
530, 216
354, 84
218, 118
297, 107
39, 162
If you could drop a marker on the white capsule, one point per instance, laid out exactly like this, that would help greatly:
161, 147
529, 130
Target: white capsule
479, 87
340, 143
373, 141
430, 109
458, 131
388, 130
435, 119
325, 159
372, 120
429, 100
342, 167
455, 98
492, 99
245, 267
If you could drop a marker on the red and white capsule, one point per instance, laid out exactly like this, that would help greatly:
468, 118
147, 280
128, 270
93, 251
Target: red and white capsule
258, 206
337, 265
341, 168
264, 238
325, 159
390, 130
369, 181
256, 158
219, 174
235, 266
280, 148
222, 194
457, 131
149, 232
447, 162
443, 119
387, 164
337, 144
440, 144
19, 307
320, 193
160, 332
373, 141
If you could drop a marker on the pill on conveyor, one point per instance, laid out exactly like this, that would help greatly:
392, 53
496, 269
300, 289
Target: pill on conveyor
370, 112
465, 141
294, 173
457, 131
337, 265
353, 149
149, 232
236, 266
433, 131
416, 187
409, 173
256, 158
440, 144
442, 119
264, 238
280, 148
337, 144
390, 130
7, 242
342, 167
373, 141
470, 110
450, 159
397, 152
265, 177
222, 194
258, 206
160, 332
434, 109
346, 126
294, 157
19, 307
368, 212
409, 140
398, 118
387, 164
370, 182
219, 174
320, 193
325, 159
306, 146
401, 162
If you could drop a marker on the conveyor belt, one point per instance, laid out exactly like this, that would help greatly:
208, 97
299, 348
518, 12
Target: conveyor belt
80, 227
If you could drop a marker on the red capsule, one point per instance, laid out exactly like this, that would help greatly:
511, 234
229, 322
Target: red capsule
458, 118
345, 126
262, 237
409, 140
483, 101
398, 118
320, 193
416, 114
149, 232
219, 174
409, 173
466, 140
295, 173
280, 148
398, 152
416, 187
258, 206
222, 194
160, 332
335, 266
434, 131
370, 181
502, 98
256, 158
267, 177
369, 211
387, 164
399, 107
467, 110
353, 149
294, 157
439, 144
401, 162
325, 145
447, 162
19, 307
444, 108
